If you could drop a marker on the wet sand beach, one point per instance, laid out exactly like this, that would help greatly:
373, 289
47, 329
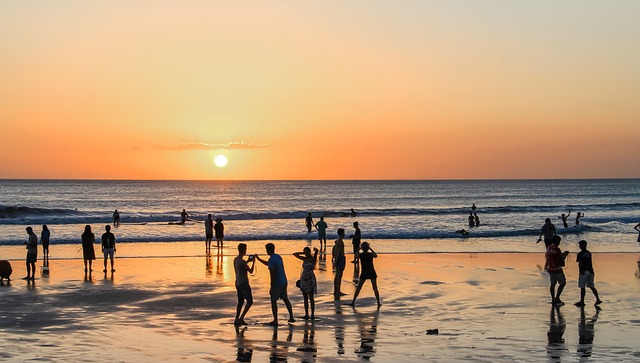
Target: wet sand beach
488, 307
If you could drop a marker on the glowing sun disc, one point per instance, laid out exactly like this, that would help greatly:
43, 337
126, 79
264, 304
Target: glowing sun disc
220, 161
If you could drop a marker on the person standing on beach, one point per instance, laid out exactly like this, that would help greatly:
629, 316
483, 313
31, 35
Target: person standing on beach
578, 216
356, 237
585, 266
44, 239
309, 222
279, 283
368, 272
339, 263
564, 219
637, 228
108, 247
208, 234
219, 228
184, 216
88, 253
32, 254
308, 284
549, 231
321, 226
243, 289
554, 262
116, 218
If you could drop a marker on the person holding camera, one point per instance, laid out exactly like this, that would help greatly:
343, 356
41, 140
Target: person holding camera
241, 268
307, 282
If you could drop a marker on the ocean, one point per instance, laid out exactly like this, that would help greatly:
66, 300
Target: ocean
395, 216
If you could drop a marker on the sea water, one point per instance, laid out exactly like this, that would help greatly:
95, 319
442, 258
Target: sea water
395, 216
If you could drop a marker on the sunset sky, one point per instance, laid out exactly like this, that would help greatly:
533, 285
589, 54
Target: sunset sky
319, 89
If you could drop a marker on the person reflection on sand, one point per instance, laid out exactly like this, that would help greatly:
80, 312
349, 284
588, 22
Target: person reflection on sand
279, 352
308, 345
339, 330
556, 347
368, 327
245, 349
586, 333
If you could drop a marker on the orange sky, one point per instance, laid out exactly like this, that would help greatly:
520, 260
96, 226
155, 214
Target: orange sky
319, 90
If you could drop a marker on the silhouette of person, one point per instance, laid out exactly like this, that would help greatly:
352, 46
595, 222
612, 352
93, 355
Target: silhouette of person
339, 262
88, 253
368, 328
564, 219
578, 216
321, 226
473, 207
476, 219
243, 289
637, 228
308, 284
32, 254
586, 277
368, 272
472, 220
557, 325
309, 222
44, 239
554, 263
116, 218
183, 216
108, 247
586, 333
356, 237
549, 231
208, 234
219, 229
279, 283
353, 213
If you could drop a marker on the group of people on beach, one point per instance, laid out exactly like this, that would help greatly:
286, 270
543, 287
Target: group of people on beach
307, 283
555, 261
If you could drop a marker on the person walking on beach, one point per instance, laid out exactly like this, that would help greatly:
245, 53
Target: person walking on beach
564, 219
476, 219
308, 222
554, 263
308, 284
243, 289
339, 263
578, 216
321, 226
208, 234
219, 229
116, 218
368, 272
44, 239
356, 237
88, 253
184, 216
585, 266
108, 247
279, 283
32, 254
548, 231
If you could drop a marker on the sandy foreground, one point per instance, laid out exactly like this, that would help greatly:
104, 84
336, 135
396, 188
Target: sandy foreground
489, 307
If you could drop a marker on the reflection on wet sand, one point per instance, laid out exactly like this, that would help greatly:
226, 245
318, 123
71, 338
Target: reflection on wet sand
356, 274
280, 350
245, 348
556, 346
219, 263
368, 327
586, 332
208, 266
322, 259
308, 346
339, 330
638, 270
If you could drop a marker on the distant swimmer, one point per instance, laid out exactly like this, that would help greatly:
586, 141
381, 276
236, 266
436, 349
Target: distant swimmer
462, 232
353, 213
473, 207
472, 220
548, 230
309, 222
476, 219
637, 228
564, 219
183, 217
116, 218
578, 216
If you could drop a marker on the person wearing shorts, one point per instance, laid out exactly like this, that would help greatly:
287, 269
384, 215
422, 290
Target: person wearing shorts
339, 262
108, 247
32, 254
586, 277
243, 289
278, 288
554, 262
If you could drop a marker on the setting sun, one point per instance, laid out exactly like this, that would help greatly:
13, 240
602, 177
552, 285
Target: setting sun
220, 161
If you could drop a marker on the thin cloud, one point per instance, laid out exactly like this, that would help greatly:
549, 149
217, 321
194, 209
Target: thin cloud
234, 145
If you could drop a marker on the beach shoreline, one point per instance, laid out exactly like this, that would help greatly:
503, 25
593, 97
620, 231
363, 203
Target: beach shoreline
486, 307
